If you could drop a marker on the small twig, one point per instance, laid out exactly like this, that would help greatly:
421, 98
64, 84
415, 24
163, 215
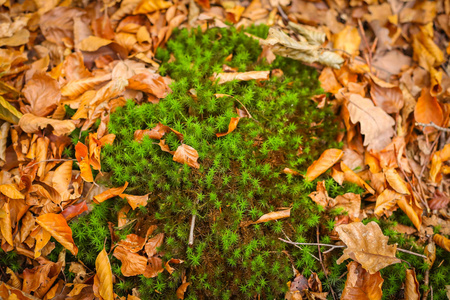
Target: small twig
49, 160
191, 231
295, 244
337, 246
321, 263
431, 124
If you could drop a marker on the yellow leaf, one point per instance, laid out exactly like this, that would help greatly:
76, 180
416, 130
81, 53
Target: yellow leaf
326, 160
148, 6
11, 191
442, 241
57, 226
8, 112
396, 182
104, 274
348, 40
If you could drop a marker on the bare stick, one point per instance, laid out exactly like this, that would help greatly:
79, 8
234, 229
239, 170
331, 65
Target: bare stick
431, 124
191, 231
338, 246
295, 244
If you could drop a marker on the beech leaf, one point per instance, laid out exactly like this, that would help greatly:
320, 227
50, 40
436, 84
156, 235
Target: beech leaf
186, 155
442, 241
361, 284
8, 112
376, 124
104, 275
412, 209
411, 285
113, 192
153, 243
57, 226
428, 110
132, 263
134, 200
326, 160
396, 182
367, 245
31, 124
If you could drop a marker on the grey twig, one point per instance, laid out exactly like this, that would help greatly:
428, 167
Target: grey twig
431, 124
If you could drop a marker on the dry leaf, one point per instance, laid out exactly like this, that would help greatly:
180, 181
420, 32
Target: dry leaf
326, 160
275, 215
182, 289
376, 124
361, 284
320, 196
351, 203
113, 192
156, 133
134, 200
149, 83
72, 211
386, 203
148, 6
231, 127
390, 99
439, 200
154, 267
133, 264
153, 243
5, 223
31, 124
351, 176
428, 110
82, 155
240, 76
104, 275
367, 245
442, 241
396, 182
43, 94
411, 285
8, 112
348, 40
412, 209
133, 243
186, 155
57, 226
174, 261
11, 191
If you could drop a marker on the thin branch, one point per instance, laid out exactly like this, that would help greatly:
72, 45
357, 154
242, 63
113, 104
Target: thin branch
431, 124
338, 246
191, 231
293, 243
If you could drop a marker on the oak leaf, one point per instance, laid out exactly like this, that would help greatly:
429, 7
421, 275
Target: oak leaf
376, 124
57, 226
367, 245
361, 284
326, 160
186, 155
104, 276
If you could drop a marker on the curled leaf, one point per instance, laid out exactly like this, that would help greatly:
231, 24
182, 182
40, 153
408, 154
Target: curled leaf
231, 127
442, 241
240, 76
186, 155
411, 285
361, 284
132, 263
113, 192
326, 160
57, 226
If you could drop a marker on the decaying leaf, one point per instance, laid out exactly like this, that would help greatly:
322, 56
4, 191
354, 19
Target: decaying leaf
367, 245
133, 264
326, 160
57, 226
186, 155
411, 285
182, 289
240, 76
361, 284
376, 124
153, 243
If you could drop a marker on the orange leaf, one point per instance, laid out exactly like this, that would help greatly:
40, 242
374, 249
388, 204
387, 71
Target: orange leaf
148, 6
411, 285
154, 267
274, 215
43, 94
348, 40
386, 202
62, 177
351, 176
175, 261
72, 211
104, 275
351, 203
11, 191
132, 263
337, 175
412, 210
182, 289
156, 133
320, 196
328, 81
367, 245
326, 160
133, 243
231, 127
57, 226
442, 241
149, 83
135, 201
396, 182
361, 284
436, 166
390, 99
186, 155
5, 223
428, 110
82, 155
31, 124
153, 243
113, 192
42, 238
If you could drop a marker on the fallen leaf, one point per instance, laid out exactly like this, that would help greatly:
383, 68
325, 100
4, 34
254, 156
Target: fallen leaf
156, 133
428, 110
82, 155
412, 209
367, 245
5, 223
430, 252
154, 267
411, 285
112, 192
320, 196
72, 211
231, 127
133, 243
42, 238
328, 81
361, 284
351, 203
351, 176
186, 155
104, 275
386, 202
240, 76
174, 261
57, 226
62, 178
274, 215
442, 242
396, 182
148, 6
43, 94
134, 200
133, 264
11, 191
149, 83
182, 289
326, 160
8, 112
153, 243
31, 124
376, 124
390, 99
290, 171
348, 40
439, 200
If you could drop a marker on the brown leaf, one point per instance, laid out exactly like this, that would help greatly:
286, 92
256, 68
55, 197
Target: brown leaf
351, 203
72, 211
320, 196
57, 226
326, 160
113, 192
182, 289
386, 202
62, 178
154, 267
348, 40
132, 263
337, 175
361, 284
376, 124
43, 94
367, 245
442, 241
411, 285
153, 243
396, 182
186, 155
5, 223
156, 133
439, 200
430, 252
329, 82
428, 110
149, 83
134, 200
42, 238
240, 76
133, 243
174, 261
41, 278
231, 127
77, 87
31, 124
290, 171
412, 209
104, 275
274, 215
351, 176
390, 99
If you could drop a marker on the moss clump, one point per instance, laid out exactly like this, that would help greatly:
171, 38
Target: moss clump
240, 176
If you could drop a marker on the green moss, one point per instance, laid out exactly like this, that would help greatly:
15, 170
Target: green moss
240, 176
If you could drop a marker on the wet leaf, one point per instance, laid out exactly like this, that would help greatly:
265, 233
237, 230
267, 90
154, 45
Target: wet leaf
108, 194
411, 285
57, 226
367, 245
326, 160
133, 264
376, 124
231, 127
361, 284
186, 155
104, 275
240, 76
31, 124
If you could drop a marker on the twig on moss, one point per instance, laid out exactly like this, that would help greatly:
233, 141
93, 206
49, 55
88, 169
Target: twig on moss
321, 263
339, 246
431, 124
295, 244
191, 231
